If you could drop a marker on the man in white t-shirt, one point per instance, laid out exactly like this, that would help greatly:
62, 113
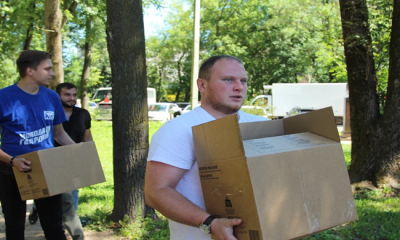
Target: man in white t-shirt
172, 184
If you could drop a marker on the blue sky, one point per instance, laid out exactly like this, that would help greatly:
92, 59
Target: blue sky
153, 19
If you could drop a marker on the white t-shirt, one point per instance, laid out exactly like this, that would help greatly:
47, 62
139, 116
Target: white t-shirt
173, 144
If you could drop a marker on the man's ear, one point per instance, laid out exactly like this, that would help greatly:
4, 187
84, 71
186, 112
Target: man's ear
29, 71
201, 84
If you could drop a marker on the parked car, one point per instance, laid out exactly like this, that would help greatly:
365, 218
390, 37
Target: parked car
163, 111
256, 110
188, 108
91, 106
182, 106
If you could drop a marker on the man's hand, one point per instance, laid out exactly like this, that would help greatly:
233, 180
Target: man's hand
222, 228
21, 164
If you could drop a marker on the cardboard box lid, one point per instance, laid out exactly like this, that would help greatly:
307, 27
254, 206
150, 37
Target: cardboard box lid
221, 139
285, 143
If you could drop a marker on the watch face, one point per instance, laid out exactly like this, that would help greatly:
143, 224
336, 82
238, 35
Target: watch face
204, 228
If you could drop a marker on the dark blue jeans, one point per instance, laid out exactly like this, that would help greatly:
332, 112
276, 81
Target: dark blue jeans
14, 210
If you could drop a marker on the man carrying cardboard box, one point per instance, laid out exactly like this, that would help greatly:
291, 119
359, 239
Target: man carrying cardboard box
31, 118
172, 184
78, 128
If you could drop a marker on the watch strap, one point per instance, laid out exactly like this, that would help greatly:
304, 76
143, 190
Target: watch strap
209, 220
11, 161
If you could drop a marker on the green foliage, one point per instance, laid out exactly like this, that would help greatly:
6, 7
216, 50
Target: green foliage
278, 41
17, 17
380, 21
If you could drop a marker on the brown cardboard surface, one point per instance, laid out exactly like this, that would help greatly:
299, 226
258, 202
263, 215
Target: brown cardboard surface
283, 186
61, 169
225, 145
263, 129
32, 184
305, 188
285, 143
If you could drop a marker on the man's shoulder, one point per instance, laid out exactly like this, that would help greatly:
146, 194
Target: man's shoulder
182, 125
79, 110
8, 89
51, 93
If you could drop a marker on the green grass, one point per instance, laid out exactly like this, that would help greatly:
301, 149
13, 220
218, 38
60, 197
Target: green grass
378, 210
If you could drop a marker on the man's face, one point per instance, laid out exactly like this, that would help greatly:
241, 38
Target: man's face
68, 97
43, 73
226, 90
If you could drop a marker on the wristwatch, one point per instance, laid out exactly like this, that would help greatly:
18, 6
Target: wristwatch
206, 225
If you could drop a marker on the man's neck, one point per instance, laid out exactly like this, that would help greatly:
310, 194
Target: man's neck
215, 113
68, 109
28, 86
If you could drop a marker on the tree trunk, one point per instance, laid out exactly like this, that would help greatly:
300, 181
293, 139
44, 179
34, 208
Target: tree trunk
53, 18
86, 66
126, 46
375, 139
29, 32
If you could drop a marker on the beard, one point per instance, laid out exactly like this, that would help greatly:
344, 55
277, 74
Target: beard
222, 107
68, 105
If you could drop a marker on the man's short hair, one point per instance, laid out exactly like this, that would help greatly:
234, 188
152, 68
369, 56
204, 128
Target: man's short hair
206, 67
32, 59
66, 85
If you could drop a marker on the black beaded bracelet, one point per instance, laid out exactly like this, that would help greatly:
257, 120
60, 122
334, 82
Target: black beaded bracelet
11, 161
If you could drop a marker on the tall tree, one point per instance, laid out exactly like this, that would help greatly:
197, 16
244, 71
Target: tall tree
375, 136
126, 46
53, 21
86, 65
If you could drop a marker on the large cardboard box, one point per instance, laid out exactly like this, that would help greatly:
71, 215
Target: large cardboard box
58, 170
285, 178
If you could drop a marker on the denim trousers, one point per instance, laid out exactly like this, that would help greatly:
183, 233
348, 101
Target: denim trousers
14, 210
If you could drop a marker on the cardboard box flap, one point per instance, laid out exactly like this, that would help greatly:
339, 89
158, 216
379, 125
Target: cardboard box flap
263, 129
218, 140
320, 122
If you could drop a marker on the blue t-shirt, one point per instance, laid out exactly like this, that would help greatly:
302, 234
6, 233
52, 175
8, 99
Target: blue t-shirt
27, 121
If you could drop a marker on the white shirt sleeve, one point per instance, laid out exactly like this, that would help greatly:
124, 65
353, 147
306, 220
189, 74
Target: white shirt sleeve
173, 144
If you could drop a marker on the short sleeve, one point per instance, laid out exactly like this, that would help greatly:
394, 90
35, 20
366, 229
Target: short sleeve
88, 120
173, 144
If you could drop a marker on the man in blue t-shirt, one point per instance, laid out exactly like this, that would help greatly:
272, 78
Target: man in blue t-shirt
31, 117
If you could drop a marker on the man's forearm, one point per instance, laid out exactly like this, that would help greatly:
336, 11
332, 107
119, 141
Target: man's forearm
4, 157
176, 207
64, 139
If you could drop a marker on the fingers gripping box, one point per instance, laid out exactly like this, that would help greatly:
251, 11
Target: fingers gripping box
286, 179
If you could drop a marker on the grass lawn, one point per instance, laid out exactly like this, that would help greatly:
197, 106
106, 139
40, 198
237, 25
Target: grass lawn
378, 210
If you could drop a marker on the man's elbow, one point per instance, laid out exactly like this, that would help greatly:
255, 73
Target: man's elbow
147, 197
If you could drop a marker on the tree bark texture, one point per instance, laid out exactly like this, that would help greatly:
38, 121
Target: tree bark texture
53, 18
126, 46
375, 138
29, 31
86, 66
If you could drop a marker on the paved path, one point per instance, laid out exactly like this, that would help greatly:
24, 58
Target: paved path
34, 232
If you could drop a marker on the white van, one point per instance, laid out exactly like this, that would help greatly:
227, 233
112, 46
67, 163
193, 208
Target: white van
103, 98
